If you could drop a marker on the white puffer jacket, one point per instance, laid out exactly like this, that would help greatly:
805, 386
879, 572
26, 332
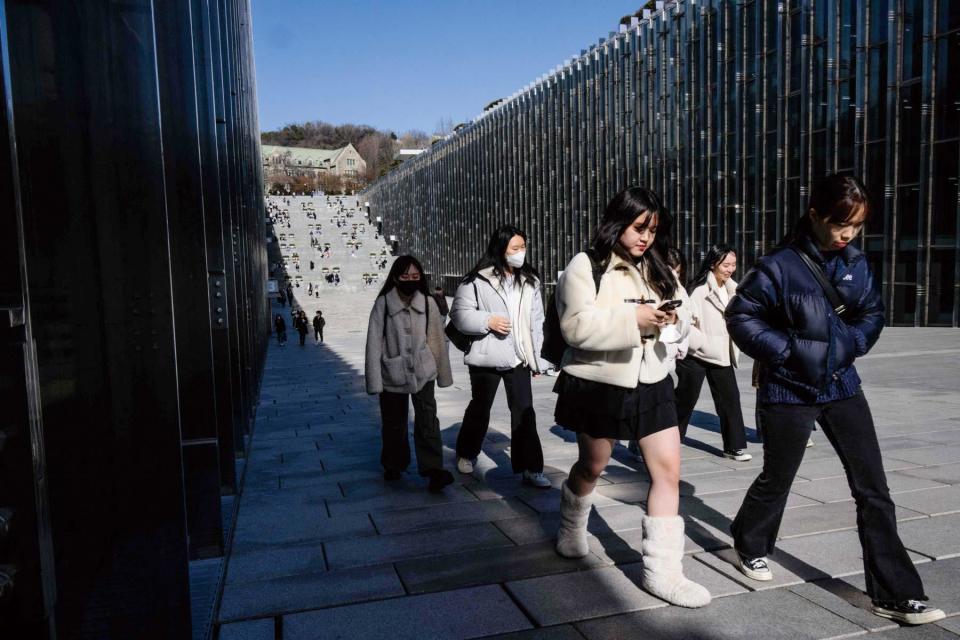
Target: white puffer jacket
471, 312
709, 339
605, 343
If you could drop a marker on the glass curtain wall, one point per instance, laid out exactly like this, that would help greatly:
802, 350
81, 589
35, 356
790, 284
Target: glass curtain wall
728, 110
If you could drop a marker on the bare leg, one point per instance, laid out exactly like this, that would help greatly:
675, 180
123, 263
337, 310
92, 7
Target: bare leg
594, 456
661, 454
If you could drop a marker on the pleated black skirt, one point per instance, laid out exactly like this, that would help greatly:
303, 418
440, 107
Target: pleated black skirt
602, 410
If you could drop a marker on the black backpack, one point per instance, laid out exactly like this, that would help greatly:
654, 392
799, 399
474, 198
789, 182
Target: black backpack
554, 345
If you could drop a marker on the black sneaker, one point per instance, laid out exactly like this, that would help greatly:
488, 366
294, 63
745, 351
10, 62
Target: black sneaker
754, 568
391, 474
908, 612
439, 478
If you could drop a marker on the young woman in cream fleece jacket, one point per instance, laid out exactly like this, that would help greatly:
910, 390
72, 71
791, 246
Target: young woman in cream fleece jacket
614, 382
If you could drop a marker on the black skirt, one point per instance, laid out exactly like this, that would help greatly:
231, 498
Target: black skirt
602, 410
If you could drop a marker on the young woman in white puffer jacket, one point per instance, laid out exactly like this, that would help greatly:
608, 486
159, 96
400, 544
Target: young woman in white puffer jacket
614, 382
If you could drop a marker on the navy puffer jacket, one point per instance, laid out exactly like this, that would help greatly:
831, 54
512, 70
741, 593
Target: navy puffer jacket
781, 317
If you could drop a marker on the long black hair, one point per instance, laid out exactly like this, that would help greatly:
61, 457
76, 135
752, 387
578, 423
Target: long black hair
676, 260
623, 209
494, 257
836, 199
400, 266
717, 254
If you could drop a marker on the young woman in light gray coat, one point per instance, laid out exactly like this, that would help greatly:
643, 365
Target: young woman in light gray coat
406, 356
499, 302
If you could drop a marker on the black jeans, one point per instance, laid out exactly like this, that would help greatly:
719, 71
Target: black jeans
394, 413
526, 452
726, 398
318, 335
890, 575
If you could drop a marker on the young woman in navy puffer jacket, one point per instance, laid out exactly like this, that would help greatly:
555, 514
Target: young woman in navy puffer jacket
782, 318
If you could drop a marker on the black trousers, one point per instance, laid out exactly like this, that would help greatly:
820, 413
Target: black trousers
303, 337
726, 398
890, 575
394, 414
526, 452
318, 334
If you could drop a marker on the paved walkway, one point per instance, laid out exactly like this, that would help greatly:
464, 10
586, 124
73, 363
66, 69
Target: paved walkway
324, 548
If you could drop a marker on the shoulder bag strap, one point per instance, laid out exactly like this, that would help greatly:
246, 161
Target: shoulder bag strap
831, 292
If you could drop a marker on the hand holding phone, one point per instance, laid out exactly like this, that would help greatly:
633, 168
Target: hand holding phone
669, 305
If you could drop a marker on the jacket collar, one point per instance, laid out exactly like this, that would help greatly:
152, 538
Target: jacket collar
488, 274
805, 243
730, 286
395, 305
619, 264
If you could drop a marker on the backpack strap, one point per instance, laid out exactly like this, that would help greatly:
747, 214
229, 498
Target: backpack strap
831, 292
597, 269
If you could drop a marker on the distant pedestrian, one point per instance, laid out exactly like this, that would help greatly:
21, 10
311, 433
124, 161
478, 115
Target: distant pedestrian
282, 299
281, 328
318, 324
406, 357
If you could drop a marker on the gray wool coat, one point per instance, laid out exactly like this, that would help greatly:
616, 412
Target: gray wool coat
405, 353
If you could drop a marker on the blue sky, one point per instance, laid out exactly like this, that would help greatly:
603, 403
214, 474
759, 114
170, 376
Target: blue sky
405, 64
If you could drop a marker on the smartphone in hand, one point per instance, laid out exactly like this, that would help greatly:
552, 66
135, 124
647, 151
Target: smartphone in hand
669, 305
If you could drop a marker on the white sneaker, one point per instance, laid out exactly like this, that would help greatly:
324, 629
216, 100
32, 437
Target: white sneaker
464, 465
754, 568
809, 442
740, 455
537, 479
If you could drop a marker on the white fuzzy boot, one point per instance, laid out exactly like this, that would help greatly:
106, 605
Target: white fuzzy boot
574, 512
662, 549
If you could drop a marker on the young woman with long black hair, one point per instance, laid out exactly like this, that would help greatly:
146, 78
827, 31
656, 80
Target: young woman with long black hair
782, 316
615, 384
712, 354
406, 356
499, 301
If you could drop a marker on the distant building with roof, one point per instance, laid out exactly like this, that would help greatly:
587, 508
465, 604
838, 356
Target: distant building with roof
299, 161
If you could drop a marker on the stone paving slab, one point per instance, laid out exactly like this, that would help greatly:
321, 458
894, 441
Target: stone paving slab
586, 594
463, 613
251, 630
308, 591
271, 561
837, 489
450, 515
925, 632
399, 499
478, 567
937, 537
788, 617
560, 632
415, 544
945, 473
824, 518
849, 603
281, 524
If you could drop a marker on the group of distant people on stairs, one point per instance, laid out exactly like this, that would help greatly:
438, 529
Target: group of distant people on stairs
619, 323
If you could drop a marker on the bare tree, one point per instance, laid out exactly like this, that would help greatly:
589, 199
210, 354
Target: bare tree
444, 127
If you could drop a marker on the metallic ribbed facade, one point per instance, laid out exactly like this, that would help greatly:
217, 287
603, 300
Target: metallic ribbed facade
728, 110
133, 311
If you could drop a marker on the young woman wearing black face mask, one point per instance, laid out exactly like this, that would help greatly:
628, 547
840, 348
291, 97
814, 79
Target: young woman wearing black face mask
406, 356
783, 317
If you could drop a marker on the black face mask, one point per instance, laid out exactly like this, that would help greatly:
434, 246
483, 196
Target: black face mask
408, 287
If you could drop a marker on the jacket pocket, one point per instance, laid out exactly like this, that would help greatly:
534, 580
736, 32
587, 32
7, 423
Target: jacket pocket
427, 369
394, 371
